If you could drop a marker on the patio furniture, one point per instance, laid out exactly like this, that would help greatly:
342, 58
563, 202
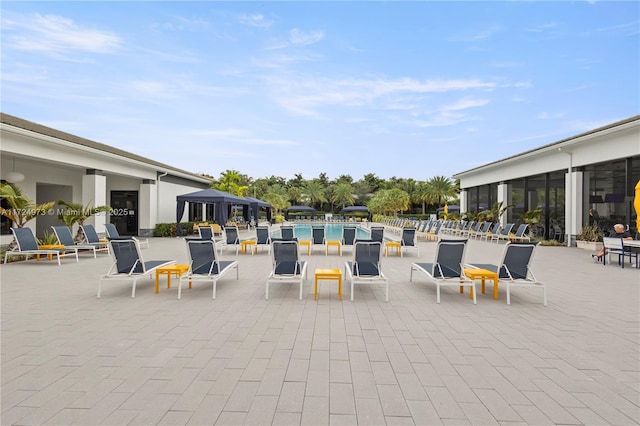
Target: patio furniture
365, 268
287, 266
27, 244
204, 264
112, 233
65, 238
92, 237
327, 274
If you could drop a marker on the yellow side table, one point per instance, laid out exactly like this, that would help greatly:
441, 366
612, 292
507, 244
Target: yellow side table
49, 247
327, 274
392, 245
482, 274
252, 243
337, 244
308, 244
169, 270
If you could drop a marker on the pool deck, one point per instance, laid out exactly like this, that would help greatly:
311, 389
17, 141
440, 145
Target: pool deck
70, 358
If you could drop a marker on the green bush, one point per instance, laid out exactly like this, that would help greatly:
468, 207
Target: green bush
169, 229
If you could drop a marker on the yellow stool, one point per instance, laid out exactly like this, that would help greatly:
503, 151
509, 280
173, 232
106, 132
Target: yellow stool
334, 244
327, 274
308, 244
392, 244
482, 274
244, 244
178, 270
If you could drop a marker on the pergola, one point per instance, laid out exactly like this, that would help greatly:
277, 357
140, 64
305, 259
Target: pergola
221, 200
299, 209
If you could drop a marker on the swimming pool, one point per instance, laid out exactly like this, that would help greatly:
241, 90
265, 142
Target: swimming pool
332, 231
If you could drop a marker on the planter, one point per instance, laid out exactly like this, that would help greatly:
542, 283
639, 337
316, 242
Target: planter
589, 245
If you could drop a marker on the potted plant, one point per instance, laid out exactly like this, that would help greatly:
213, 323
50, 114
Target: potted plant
590, 238
532, 218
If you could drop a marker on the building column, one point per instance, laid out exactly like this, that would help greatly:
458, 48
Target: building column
94, 194
464, 200
147, 208
503, 196
573, 206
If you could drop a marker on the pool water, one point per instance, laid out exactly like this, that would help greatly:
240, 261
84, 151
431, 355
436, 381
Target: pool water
332, 232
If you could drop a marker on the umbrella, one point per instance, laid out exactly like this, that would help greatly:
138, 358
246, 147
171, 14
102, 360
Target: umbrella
446, 209
636, 204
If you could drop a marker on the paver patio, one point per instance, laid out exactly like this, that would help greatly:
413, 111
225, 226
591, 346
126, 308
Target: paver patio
70, 358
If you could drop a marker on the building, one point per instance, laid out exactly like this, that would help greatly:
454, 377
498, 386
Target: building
587, 178
52, 165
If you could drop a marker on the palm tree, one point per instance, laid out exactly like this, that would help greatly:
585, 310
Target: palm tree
424, 196
295, 194
233, 182
22, 208
441, 188
77, 213
315, 192
343, 194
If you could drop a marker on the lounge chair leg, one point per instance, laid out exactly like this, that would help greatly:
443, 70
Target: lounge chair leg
214, 289
473, 289
352, 290
99, 288
180, 288
508, 295
266, 294
544, 295
133, 289
438, 293
301, 290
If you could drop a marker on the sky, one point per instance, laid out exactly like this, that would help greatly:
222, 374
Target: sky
398, 89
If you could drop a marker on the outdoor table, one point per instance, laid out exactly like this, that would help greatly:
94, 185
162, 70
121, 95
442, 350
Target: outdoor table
392, 244
244, 244
49, 247
308, 244
168, 270
327, 274
337, 244
482, 274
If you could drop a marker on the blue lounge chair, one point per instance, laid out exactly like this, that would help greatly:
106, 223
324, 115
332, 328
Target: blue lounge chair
65, 238
318, 237
26, 244
447, 269
263, 238
348, 236
128, 264
112, 233
408, 241
91, 237
204, 264
377, 234
365, 268
287, 233
287, 266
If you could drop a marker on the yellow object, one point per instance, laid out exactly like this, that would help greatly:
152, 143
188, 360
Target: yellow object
335, 244
482, 274
49, 247
392, 244
308, 244
178, 270
636, 205
244, 244
327, 274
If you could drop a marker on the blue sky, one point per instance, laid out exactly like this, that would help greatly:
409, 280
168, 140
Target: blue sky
405, 89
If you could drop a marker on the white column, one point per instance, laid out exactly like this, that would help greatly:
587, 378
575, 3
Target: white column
573, 206
464, 200
147, 208
503, 196
94, 194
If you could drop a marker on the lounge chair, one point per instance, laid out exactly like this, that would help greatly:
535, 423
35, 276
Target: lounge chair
318, 237
263, 238
287, 233
447, 269
287, 266
494, 230
408, 241
514, 269
65, 238
377, 234
92, 237
520, 234
365, 268
206, 232
112, 233
231, 237
128, 263
204, 264
348, 236
504, 234
28, 245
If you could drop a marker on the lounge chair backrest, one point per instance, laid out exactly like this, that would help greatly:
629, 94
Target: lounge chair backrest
449, 258
366, 258
521, 230
126, 253
25, 239
486, 227
286, 233
377, 234
495, 228
90, 234
507, 229
286, 259
206, 232
202, 256
516, 260
408, 237
317, 235
348, 235
112, 231
231, 233
262, 235
64, 235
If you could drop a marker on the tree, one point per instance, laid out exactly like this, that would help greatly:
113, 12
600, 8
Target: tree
442, 188
344, 194
424, 195
294, 193
233, 182
389, 201
77, 213
22, 208
314, 191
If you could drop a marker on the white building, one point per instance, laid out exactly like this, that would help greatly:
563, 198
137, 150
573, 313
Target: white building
583, 179
59, 166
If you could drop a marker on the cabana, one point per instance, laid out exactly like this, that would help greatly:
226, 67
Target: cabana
221, 200
357, 209
255, 206
299, 209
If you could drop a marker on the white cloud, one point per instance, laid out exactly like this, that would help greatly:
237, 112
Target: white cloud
549, 116
466, 103
180, 23
481, 35
57, 35
255, 21
300, 38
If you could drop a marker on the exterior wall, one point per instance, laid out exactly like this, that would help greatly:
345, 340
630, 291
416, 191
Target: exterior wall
48, 162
